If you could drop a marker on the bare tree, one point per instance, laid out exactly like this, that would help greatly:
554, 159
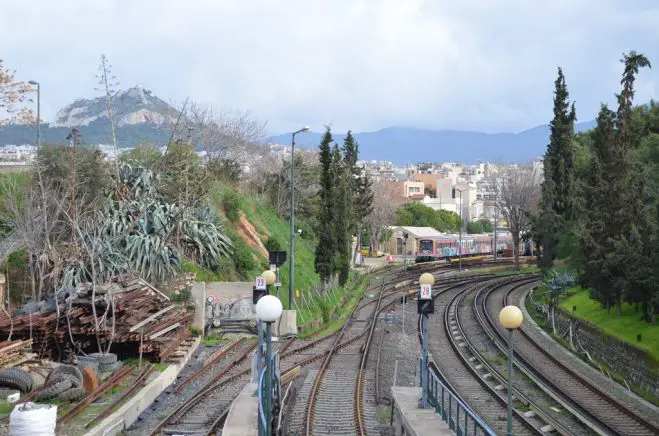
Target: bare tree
12, 96
223, 134
516, 190
385, 201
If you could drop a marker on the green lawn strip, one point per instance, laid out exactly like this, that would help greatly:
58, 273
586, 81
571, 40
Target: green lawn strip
334, 307
546, 326
624, 327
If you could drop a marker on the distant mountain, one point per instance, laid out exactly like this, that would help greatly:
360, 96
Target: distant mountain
140, 116
133, 106
408, 145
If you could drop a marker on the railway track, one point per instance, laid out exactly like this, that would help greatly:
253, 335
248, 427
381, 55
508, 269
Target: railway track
477, 335
214, 387
461, 369
595, 407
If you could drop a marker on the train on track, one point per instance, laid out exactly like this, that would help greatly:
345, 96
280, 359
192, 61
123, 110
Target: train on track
448, 247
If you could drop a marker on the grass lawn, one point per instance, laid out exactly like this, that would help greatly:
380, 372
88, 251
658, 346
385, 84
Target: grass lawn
625, 326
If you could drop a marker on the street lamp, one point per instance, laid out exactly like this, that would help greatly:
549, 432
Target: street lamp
510, 318
405, 236
425, 308
291, 279
34, 82
268, 310
461, 223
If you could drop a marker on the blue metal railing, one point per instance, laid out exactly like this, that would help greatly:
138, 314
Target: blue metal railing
460, 418
262, 394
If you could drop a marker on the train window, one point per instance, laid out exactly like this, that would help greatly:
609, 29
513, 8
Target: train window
425, 246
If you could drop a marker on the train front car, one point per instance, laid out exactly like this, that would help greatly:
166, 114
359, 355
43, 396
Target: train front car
427, 251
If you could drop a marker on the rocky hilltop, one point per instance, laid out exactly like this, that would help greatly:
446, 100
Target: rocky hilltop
132, 106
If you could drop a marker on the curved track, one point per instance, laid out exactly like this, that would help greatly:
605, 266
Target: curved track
605, 414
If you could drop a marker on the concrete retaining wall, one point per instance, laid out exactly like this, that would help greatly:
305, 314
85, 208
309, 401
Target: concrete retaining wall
128, 413
630, 362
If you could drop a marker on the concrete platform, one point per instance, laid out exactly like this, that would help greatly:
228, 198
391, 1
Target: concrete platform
243, 415
409, 420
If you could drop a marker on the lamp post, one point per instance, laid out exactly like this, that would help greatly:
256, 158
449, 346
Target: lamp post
460, 243
405, 236
268, 310
291, 279
34, 82
425, 308
510, 318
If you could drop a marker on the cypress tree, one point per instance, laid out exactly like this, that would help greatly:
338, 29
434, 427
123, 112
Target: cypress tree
325, 247
341, 214
595, 239
558, 188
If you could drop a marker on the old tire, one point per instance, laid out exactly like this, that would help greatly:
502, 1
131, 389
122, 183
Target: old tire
64, 370
73, 394
75, 381
5, 392
53, 390
104, 358
111, 367
16, 378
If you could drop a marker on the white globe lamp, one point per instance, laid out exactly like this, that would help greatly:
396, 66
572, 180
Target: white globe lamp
269, 308
511, 317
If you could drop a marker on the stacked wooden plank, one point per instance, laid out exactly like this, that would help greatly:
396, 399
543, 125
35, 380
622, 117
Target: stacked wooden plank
14, 352
129, 312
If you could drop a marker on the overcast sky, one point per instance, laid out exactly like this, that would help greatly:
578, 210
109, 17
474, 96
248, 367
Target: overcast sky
361, 64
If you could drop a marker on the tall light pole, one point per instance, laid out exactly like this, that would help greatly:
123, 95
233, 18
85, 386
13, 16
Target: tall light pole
460, 243
510, 318
291, 277
34, 82
268, 310
425, 307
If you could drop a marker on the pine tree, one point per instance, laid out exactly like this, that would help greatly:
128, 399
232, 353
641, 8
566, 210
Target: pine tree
558, 188
325, 247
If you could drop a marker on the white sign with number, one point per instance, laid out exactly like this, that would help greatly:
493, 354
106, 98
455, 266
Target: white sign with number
260, 283
426, 292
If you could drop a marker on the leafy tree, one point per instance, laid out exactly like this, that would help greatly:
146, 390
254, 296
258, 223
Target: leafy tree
325, 247
480, 226
420, 215
144, 154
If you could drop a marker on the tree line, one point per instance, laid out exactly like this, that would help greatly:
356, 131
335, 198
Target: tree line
599, 207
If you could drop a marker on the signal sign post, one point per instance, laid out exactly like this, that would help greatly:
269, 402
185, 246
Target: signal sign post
425, 307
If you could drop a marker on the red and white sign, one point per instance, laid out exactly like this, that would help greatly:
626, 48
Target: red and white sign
426, 292
260, 283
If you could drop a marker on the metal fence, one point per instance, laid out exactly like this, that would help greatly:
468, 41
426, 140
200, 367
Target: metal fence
460, 418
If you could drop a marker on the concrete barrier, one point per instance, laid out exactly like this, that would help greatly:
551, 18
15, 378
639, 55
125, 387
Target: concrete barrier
128, 413
409, 420
242, 419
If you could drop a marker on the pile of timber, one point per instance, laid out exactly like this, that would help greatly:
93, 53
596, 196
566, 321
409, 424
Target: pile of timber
130, 314
14, 352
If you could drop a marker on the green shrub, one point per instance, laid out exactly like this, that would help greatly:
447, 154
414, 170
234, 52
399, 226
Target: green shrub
242, 258
232, 207
273, 244
195, 331
184, 295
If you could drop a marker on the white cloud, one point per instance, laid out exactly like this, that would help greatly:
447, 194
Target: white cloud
361, 64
